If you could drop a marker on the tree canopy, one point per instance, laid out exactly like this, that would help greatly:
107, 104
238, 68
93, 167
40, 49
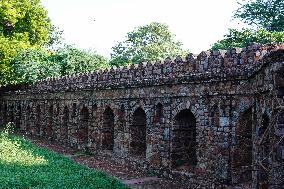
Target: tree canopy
72, 60
267, 14
242, 38
33, 64
24, 17
23, 24
146, 43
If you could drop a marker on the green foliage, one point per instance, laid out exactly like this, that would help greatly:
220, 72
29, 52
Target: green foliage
23, 24
24, 17
244, 37
22, 165
268, 14
8, 49
54, 37
146, 43
33, 64
72, 60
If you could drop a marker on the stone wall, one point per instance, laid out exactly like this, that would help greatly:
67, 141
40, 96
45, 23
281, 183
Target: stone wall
215, 119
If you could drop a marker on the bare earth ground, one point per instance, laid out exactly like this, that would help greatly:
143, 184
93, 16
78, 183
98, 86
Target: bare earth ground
130, 176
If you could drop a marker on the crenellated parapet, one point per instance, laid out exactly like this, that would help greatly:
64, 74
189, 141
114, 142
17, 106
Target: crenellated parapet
231, 64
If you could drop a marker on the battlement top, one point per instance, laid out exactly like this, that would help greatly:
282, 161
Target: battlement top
232, 64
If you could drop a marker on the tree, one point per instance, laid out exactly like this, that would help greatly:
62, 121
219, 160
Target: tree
146, 43
24, 17
8, 50
23, 24
72, 60
268, 14
55, 37
244, 37
31, 65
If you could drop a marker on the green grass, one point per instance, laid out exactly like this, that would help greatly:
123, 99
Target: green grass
23, 165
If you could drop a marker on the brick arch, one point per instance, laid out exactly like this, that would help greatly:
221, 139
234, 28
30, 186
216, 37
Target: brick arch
83, 127
183, 140
38, 121
148, 112
5, 110
108, 129
102, 107
241, 107
48, 130
179, 107
18, 121
137, 105
29, 114
121, 117
242, 158
11, 115
215, 115
264, 150
138, 133
266, 111
65, 124
158, 112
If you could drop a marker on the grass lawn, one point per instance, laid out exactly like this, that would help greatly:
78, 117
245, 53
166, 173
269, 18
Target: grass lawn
23, 165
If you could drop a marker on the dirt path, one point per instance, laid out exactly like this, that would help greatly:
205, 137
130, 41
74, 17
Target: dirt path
132, 177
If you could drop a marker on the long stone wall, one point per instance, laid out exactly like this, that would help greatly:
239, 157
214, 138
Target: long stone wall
215, 119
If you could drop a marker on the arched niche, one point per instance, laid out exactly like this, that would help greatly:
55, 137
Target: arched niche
64, 127
48, 131
183, 150
108, 129
138, 131
83, 126
241, 162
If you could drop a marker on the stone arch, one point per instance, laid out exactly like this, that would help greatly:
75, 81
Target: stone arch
135, 107
4, 114
280, 121
83, 127
121, 118
38, 120
64, 127
94, 107
11, 117
264, 124
183, 106
183, 141
159, 113
241, 162
108, 129
74, 109
279, 130
138, 131
263, 151
1, 114
28, 118
48, 131
19, 116
241, 107
215, 116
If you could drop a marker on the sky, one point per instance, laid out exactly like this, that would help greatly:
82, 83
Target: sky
99, 24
